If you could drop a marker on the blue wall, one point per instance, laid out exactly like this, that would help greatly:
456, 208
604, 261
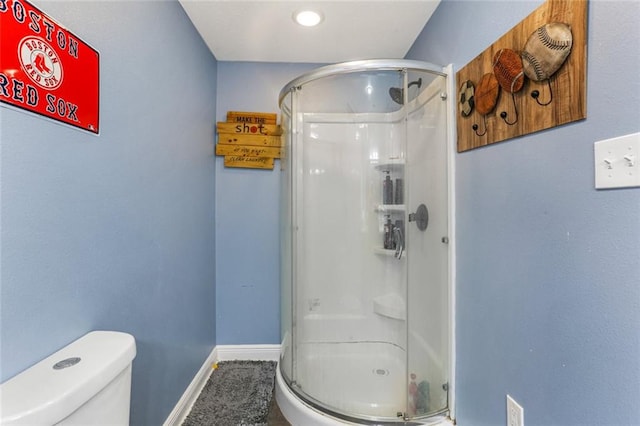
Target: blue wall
247, 217
116, 231
548, 293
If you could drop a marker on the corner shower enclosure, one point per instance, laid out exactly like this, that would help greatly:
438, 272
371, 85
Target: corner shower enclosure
364, 241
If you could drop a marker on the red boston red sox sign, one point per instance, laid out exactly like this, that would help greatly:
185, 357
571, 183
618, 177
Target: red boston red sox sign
46, 69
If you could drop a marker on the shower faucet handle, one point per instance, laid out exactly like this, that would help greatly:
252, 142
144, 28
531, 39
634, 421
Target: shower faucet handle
420, 217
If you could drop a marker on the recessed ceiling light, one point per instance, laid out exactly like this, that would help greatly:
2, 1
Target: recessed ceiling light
307, 18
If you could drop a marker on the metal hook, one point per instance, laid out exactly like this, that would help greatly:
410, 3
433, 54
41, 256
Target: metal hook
475, 127
504, 114
535, 94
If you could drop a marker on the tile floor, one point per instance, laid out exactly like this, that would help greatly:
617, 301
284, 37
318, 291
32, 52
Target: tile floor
275, 417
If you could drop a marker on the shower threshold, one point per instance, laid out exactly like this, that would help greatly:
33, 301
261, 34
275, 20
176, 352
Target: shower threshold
357, 382
299, 410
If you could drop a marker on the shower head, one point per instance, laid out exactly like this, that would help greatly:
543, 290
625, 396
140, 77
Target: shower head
397, 94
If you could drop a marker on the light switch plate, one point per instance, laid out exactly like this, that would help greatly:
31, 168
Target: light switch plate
617, 162
515, 412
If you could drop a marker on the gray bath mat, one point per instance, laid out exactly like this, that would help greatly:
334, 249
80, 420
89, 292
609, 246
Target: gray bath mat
238, 393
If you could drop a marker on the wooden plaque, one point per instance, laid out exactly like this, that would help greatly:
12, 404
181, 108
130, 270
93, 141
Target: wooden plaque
247, 151
248, 162
251, 140
249, 128
568, 84
252, 117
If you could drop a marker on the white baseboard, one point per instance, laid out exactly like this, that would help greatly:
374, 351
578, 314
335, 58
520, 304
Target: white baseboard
183, 407
219, 353
248, 352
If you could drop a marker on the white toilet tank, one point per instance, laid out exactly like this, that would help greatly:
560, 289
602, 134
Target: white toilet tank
85, 383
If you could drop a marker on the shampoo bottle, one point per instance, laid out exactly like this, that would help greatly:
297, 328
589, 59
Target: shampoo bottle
399, 195
387, 190
388, 234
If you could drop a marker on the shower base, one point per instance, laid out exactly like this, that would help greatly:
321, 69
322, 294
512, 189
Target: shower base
325, 374
363, 379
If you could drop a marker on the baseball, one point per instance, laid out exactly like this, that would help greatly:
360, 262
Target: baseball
546, 50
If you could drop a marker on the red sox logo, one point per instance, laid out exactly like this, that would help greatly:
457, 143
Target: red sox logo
40, 62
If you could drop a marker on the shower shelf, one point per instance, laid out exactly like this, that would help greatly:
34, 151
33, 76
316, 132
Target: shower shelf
385, 252
390, 208
392, 165
390, 305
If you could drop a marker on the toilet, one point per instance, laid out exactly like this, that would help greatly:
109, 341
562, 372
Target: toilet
85, 383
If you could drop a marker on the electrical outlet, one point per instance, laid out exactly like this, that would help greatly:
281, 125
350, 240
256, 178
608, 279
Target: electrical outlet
515, 413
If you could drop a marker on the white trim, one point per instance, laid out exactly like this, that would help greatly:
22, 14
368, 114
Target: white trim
219, 353
184, 405
248, 352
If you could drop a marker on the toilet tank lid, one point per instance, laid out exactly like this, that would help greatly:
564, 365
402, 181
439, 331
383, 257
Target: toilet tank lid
43, 394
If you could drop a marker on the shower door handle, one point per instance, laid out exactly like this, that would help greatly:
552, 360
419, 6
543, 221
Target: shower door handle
420, 217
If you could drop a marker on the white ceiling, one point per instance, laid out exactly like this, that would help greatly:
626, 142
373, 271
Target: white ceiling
264, 31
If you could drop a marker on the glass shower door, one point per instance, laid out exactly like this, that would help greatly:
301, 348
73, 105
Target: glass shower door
349, 332
427, 250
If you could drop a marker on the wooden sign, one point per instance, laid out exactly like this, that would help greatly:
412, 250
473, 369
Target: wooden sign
248, 151
538, 105
249, 140
249, 129
236, 139
248, 162
252, 117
